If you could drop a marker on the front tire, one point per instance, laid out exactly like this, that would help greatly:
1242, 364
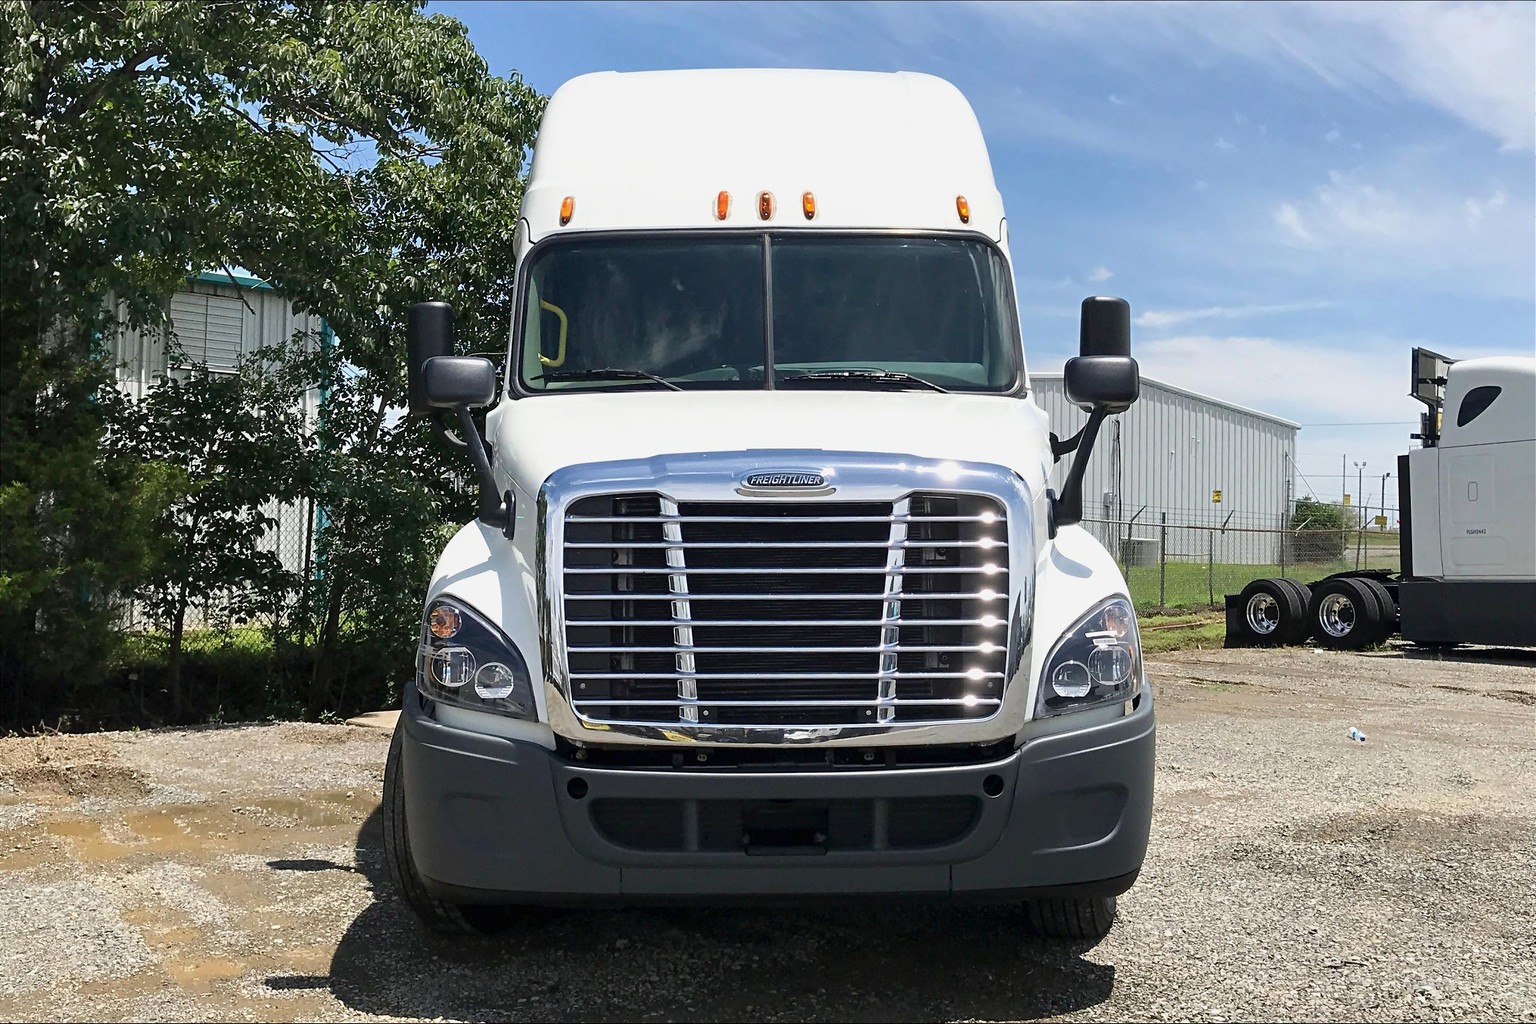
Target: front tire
1071, 918
449, 918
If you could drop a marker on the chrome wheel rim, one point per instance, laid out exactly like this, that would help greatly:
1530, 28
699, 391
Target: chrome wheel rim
1336, 615
1263, 614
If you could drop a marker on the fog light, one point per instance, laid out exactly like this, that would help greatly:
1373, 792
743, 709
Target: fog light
494, 681
1071, 679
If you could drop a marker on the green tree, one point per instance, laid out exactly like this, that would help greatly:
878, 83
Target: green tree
1317, 531
237, 445
358, 156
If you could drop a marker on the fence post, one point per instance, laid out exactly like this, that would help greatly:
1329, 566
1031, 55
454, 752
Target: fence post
1284, 536
1359, 544
1210, 568
1162, 563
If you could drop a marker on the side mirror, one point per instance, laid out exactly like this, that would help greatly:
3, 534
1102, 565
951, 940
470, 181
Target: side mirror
1104, 380
452, 382
1104, 375
428, 335
438, 380
1111, 383
1106, 327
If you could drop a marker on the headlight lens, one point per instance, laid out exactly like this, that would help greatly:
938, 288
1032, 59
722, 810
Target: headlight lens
1096, 662
465, 661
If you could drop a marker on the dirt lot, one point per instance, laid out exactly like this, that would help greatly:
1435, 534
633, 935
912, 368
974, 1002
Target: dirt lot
235, 873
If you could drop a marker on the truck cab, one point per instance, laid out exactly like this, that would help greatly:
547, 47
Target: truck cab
768, 596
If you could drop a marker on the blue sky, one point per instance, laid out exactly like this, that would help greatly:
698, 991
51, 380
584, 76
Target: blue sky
1291, 196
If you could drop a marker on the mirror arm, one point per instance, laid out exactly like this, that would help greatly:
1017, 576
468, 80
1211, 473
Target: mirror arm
457, 445
1060, 447
493, 509
1069, 506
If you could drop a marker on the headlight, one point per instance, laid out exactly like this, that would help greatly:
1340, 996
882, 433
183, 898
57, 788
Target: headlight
1096, 662
465, 661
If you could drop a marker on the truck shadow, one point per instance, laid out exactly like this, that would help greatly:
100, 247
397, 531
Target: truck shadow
901, 962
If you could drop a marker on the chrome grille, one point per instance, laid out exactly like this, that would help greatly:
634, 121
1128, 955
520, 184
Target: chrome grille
784, 614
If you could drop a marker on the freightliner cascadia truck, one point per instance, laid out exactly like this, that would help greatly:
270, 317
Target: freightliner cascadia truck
767, 597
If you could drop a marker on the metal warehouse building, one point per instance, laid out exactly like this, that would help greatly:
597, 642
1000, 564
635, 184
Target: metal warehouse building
1198, 461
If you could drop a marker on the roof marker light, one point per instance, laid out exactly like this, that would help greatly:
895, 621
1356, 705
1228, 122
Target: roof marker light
567, 207
963, 208
722, 205
808, 204
765, 205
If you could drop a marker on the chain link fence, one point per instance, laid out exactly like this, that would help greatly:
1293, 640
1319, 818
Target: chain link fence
1187, 560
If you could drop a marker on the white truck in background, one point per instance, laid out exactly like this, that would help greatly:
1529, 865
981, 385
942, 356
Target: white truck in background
767, 597
1467, 545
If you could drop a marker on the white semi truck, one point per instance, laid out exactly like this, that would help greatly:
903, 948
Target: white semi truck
767, 597
1467, 544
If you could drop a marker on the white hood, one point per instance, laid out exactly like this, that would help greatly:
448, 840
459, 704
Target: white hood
535, 436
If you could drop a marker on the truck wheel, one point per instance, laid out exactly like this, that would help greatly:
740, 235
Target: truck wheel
434, 913
1345, 615
1303, 626
1071, 919
1271, 613
1389, 614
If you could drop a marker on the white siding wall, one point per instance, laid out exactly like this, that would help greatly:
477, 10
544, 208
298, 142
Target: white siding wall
1168, 452
215, 324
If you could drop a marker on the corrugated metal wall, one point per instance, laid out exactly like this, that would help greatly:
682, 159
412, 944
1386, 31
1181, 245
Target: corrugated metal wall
207, 318
1167, 454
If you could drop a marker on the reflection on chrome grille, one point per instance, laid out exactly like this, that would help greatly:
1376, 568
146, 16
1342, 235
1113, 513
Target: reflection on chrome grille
780, 614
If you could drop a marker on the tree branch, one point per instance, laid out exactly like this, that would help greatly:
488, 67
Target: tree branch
127, 69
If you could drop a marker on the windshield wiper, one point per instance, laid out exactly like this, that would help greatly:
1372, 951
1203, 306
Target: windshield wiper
608, 373
876, 376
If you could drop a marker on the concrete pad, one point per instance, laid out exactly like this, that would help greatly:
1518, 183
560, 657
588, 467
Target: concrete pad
381, 720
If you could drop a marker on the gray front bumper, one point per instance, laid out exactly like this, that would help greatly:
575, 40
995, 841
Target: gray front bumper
494, 820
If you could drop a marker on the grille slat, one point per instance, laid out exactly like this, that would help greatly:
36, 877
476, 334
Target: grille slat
785, 615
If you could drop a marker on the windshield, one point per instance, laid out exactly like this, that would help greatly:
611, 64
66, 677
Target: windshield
695, 313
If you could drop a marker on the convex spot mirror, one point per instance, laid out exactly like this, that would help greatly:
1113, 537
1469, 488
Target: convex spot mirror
1104, 376
452, 382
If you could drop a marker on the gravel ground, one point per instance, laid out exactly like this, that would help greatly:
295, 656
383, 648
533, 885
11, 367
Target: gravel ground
234, 873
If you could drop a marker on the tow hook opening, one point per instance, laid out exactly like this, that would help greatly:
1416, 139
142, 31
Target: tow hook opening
784, 827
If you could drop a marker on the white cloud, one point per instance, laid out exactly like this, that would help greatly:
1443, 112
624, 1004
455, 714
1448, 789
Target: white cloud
1118, 101
1100, 274
1173, 317
1473, 61
1304, 381
1225, 146
1419, 223
1289, 218
1332, 136
1477, 208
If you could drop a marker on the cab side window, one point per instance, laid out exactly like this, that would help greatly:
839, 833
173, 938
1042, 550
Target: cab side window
1475, 403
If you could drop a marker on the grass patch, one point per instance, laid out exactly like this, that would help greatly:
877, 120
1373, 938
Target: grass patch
1163, 633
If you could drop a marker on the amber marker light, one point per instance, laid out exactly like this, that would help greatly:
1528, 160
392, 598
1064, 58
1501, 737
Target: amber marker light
808, 204
963, 208
765, 205
722, 205
567, 207
444, 622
